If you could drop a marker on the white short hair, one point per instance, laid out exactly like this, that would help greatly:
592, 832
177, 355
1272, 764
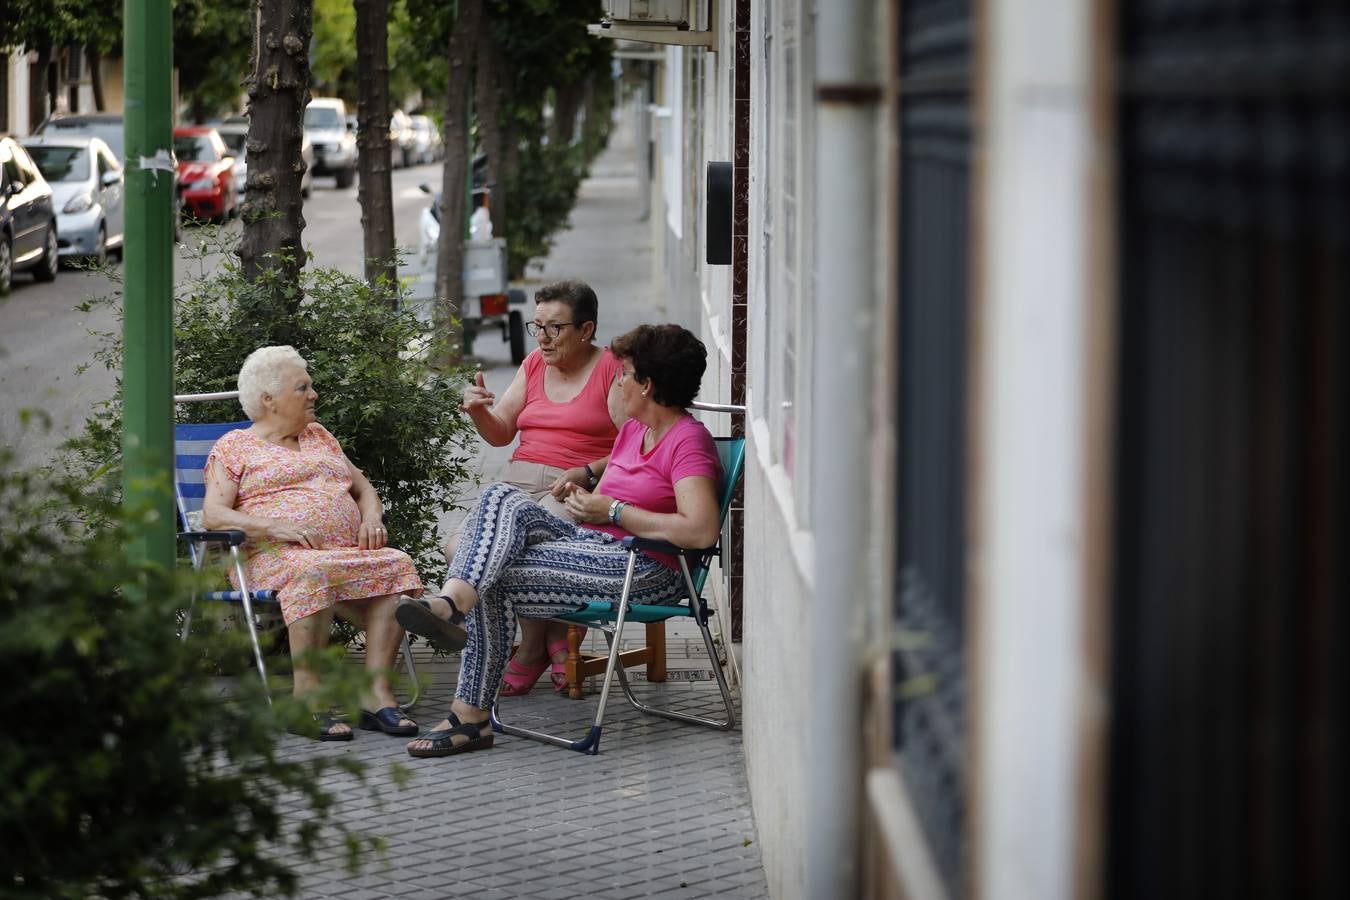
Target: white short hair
261, 374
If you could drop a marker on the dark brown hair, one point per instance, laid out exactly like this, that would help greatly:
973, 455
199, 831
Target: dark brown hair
578, 296
667, 355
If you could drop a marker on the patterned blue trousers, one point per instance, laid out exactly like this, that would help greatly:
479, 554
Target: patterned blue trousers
525, 561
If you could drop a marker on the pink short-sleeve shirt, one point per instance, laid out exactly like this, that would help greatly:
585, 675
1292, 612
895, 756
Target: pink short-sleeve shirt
647, 480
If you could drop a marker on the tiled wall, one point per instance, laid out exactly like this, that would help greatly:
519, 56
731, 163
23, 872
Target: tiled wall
740, 269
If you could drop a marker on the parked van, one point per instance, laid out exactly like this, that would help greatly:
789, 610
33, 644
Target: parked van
334, 143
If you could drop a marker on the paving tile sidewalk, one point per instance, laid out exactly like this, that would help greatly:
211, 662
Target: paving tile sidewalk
662, 811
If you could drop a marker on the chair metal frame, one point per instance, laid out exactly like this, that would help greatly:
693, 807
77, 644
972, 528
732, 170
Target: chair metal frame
189, 462
610, 616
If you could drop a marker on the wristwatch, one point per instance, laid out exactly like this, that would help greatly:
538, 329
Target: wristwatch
592, 479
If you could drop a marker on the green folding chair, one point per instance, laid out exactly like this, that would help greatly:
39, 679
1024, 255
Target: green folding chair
610, 616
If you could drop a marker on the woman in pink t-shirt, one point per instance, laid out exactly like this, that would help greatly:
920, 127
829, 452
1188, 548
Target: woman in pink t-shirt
515, 558
564, 404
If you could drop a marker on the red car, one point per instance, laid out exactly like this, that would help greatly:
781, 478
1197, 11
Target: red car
205, 174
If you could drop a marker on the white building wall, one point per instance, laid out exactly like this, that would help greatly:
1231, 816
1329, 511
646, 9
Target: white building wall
18, 93
1030, 533
778, 646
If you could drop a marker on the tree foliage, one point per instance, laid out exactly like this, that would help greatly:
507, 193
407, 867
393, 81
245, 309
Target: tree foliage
546, 61
154, 787
333, 50
211, 45
395, 417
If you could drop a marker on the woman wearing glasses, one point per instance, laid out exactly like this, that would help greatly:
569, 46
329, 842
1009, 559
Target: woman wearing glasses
517, 560
565, 404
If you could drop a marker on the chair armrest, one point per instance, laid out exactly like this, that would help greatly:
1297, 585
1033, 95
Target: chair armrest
633, 542
233, 538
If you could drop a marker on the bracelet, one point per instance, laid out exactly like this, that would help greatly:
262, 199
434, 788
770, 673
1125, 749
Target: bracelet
591, 477
616, 510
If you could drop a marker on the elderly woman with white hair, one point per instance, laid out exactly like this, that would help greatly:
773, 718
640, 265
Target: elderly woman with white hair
314, 527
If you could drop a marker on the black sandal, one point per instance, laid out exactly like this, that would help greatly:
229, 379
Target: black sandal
387, 720
416, 616
443, 742
326, 721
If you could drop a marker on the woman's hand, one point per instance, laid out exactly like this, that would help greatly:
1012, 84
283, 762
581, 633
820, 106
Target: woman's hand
586, 506
288, 532
476, 395
573, 476
371, 535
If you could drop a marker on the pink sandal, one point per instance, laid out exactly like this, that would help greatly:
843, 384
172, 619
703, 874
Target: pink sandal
519, 679
559, 669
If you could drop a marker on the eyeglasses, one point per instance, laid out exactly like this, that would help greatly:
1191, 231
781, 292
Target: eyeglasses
552, 329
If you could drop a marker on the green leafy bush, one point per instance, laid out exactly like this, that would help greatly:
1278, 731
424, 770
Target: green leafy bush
125, 773
396, 417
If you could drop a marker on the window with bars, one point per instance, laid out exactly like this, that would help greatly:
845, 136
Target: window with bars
934, 143
1229, 625
787, 265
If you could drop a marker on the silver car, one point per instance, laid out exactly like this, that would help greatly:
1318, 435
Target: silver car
87, 193
234, 132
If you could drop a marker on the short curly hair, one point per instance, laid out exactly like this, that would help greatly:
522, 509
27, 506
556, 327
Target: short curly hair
578, 295
667, 355
261, 374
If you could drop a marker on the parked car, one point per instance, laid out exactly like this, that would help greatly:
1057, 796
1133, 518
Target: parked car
87, 193
427, 139
401, 140
28, 227
334, 144
234, 132
205, 173
107, 127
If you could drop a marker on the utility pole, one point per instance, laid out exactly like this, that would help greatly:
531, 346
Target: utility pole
147, 271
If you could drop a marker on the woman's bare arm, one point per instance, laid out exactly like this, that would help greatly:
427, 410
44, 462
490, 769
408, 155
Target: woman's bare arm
371, 534
694, 524
495, 424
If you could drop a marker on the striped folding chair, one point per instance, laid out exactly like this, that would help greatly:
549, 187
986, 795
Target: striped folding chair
192, 444
610, 616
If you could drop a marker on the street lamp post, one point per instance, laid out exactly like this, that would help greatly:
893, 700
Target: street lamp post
147, 313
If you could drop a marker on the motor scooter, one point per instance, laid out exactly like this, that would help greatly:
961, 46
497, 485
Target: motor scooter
487, 298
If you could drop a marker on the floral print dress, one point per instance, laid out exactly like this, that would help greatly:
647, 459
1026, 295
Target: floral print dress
310, 486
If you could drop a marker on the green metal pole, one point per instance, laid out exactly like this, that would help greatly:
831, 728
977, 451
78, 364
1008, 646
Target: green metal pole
147, 271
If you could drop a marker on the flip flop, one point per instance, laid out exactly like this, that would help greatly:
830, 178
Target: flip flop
416, 616
519, 678
387, 720
558, 675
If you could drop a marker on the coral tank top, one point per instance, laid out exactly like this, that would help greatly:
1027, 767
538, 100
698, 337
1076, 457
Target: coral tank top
572, 433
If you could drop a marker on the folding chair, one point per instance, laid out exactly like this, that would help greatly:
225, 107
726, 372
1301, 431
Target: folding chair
610, 616
192, 444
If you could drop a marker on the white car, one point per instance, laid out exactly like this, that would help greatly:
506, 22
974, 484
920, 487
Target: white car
87, 193
427, 140
234, 132
334, 143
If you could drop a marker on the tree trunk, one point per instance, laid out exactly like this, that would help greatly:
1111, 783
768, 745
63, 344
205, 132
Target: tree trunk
52, 73
563, 126
95, 61
37, 85
450, 253
487, 92
375, 189
278, 91
588, 110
